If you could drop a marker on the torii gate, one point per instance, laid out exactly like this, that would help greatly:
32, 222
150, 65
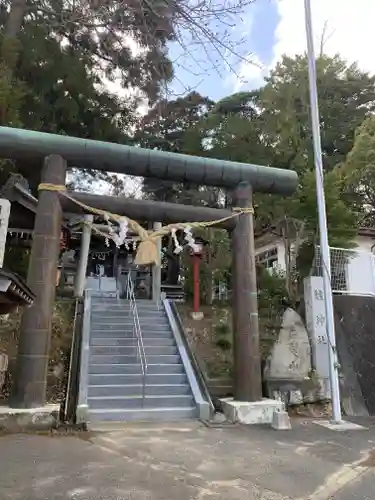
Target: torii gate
59, 152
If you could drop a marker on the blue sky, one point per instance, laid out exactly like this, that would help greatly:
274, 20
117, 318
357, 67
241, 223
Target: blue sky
272, 28
195, 69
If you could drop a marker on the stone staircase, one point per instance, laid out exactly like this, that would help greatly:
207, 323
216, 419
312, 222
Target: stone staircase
115, 390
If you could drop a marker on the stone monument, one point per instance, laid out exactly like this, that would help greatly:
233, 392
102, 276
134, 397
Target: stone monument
288, 367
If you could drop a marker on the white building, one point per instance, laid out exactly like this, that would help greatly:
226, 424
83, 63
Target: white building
353, 271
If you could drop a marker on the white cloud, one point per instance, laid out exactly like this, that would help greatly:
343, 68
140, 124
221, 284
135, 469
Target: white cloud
345, 26
249, 74
348, 27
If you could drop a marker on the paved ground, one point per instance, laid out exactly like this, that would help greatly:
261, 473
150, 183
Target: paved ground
191, 462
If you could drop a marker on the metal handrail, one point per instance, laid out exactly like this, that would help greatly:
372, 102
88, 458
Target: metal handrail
137, 332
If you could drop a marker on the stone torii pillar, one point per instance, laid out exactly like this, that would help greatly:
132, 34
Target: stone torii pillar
156, 268
247, 406
246, 352
79, 283
30, 383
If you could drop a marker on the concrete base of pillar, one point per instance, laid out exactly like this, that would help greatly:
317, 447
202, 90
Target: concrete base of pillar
342, 426
29, 419
82, 414
256, 412
281, 421
197, 315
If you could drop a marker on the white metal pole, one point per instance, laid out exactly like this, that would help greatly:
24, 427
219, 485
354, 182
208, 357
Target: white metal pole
324, 246
4, 219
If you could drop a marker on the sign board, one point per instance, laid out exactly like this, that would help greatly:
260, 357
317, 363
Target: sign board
316, 323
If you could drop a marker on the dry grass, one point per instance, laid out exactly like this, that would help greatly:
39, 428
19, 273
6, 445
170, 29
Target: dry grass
313, 410
203, 335
203, 338
62, 329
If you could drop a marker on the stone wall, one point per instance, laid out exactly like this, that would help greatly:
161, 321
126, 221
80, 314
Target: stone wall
355, 339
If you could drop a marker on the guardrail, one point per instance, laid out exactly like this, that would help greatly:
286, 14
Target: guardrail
137, 332
84, 356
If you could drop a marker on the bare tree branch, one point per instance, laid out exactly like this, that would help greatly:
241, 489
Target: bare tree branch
207, 25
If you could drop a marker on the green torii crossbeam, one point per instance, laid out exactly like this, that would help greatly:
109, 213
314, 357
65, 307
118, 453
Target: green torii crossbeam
98, 155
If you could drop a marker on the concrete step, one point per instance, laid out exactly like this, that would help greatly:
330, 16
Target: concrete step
132, 350
124, 304
125, 316
130, 334
97, 379
128, 322
125, 359
129, 329
131, 341
109, 402
128, 325
107, 299
137, 390
121, 303
120, 308
127, 311
126, 301
134, 369
144, 415
100, 295
119, 332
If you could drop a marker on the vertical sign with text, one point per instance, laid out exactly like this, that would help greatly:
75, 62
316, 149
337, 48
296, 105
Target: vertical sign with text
316, 323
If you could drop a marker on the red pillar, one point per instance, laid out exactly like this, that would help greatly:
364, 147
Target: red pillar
196, 298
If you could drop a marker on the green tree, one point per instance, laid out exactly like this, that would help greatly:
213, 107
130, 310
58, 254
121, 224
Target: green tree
233, 130
358, 173
165, 127
272, 127
11, 89
126, 44
346, 96
342, 220
56, 59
